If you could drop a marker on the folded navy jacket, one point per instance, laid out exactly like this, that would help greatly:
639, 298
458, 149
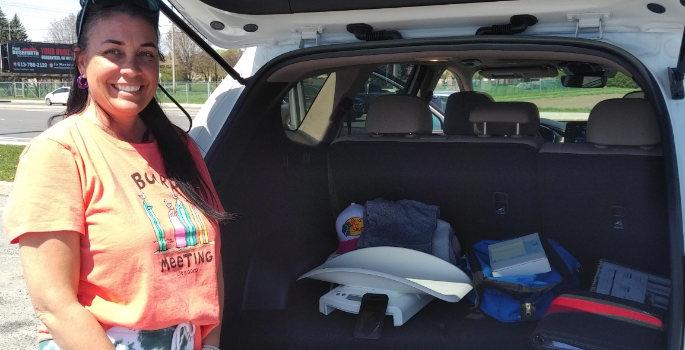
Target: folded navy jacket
405, 224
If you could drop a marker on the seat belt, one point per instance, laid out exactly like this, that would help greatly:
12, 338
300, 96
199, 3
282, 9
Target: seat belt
345, 109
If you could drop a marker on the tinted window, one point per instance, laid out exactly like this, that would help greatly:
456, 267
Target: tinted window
447, 84
384, 80
299, 99
554, 100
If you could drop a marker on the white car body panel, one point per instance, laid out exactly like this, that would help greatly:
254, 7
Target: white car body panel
215, 111
427, 21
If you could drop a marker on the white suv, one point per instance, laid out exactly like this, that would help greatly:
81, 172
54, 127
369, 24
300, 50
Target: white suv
588, 153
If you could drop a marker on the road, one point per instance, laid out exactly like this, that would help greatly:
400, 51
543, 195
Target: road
22, 121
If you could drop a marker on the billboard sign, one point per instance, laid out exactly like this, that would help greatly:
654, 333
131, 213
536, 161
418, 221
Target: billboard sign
44, 58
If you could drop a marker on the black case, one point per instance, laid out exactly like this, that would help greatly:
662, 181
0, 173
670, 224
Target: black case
592, 321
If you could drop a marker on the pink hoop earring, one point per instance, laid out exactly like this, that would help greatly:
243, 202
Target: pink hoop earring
81, 82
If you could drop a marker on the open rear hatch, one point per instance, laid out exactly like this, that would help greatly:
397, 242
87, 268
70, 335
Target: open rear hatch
235, 23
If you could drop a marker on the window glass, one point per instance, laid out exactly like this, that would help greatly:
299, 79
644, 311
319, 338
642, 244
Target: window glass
384, 80
437, 123
299, 99
447, 85
555, 101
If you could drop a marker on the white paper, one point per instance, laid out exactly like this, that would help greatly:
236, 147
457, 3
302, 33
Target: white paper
622, 282
519, 256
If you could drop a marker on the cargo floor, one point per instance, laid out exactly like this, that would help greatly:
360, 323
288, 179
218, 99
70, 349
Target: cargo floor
440, 325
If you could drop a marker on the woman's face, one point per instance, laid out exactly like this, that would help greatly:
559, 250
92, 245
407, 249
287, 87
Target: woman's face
121, 64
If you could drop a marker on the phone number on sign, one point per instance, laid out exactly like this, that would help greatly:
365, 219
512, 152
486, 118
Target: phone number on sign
32, 64
186, 272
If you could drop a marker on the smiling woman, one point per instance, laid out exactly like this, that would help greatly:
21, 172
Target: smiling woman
113, 205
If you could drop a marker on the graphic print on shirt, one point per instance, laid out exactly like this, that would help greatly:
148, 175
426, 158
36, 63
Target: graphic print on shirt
187, 222
201, 228
159, 231
179, 228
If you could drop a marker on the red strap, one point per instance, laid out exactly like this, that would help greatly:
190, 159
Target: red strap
564, 304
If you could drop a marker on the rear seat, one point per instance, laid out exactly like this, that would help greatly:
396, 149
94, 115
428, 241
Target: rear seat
607, 198
486, 186
458, 109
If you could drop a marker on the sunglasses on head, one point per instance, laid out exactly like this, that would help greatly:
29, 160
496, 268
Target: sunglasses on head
148, 5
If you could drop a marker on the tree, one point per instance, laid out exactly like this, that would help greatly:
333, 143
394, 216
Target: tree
18, 32
4, 25
622, 81
185, 52
62, 31
232, 56
208, 68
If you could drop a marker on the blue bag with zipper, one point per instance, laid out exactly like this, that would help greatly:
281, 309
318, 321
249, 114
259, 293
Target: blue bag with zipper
523, 297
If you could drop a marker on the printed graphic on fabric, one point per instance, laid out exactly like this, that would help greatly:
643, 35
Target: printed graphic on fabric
353, 226
201, 228
179, 229
185, 219
152, 340
159, 231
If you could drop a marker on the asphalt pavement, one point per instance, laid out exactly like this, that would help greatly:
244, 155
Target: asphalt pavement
18, 323
20, 121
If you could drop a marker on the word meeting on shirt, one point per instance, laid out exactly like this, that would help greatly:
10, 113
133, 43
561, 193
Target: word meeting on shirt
187, 261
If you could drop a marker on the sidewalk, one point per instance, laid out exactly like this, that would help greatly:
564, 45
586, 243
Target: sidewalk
6, 188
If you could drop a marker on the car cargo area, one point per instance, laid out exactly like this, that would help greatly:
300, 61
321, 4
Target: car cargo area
604, 197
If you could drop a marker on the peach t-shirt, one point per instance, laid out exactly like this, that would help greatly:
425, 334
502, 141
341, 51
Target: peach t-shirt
149, 258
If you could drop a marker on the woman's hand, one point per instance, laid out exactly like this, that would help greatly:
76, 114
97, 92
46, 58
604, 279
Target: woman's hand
51, 263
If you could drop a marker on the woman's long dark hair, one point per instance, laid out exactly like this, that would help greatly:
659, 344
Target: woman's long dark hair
179, 164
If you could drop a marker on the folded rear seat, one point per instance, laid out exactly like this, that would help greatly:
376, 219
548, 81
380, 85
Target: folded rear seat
607, 198
492, 176
486, 186
378, 164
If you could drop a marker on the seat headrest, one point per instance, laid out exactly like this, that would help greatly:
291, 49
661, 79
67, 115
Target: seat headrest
458, 109
502, 118
399, 114
623, 122
635, 94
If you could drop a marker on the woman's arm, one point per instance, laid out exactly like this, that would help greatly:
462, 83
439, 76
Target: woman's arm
214, 336
51, 262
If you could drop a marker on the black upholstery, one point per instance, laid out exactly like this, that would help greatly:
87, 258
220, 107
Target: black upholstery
486, 187
457, 110
606, 202
463, 178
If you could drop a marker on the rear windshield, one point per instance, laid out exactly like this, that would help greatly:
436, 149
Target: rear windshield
555, 101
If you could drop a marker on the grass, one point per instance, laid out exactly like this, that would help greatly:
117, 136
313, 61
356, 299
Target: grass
565, 109
9, 157
511, 94
185, 93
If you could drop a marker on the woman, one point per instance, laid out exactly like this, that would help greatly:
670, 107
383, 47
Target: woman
113, 207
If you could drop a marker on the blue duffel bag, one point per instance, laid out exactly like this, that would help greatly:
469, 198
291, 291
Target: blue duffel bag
524, 297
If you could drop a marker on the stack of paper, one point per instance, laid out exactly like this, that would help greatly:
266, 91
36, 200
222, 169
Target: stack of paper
519, 256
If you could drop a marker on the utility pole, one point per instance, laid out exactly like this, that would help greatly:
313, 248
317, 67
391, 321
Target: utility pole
173, 60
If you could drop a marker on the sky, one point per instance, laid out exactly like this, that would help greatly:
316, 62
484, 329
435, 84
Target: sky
36, 15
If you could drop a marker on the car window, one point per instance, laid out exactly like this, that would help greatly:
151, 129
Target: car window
384, 80
555, 101
299, 99
447, 84
437, 123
